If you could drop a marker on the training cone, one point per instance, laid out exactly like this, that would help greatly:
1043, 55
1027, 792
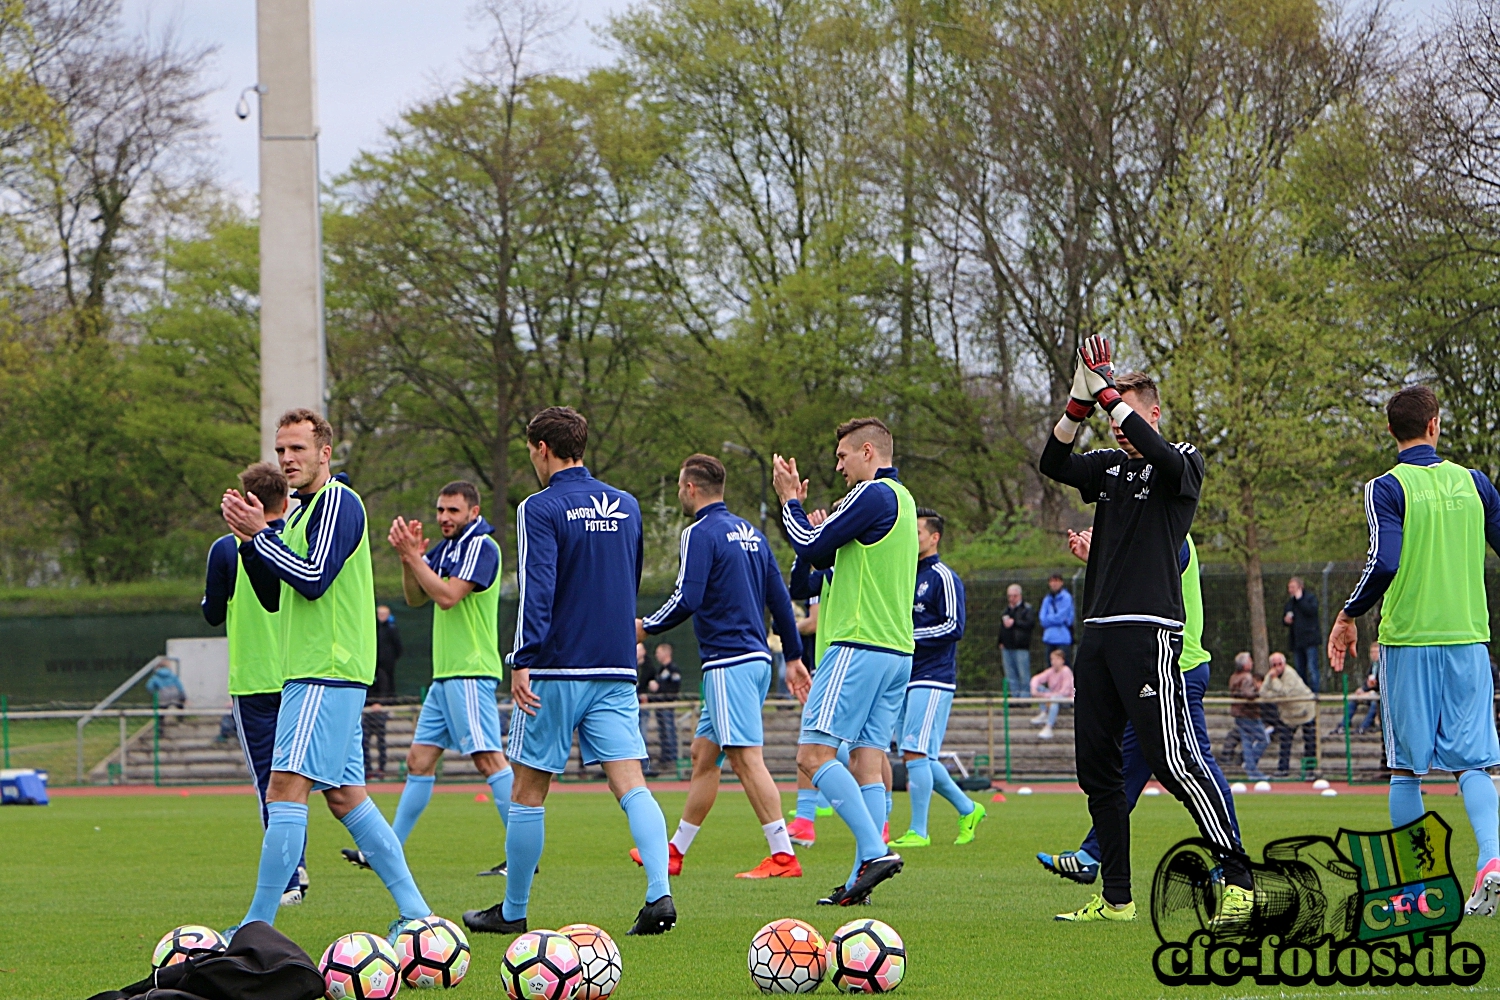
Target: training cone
481, 797
998, 797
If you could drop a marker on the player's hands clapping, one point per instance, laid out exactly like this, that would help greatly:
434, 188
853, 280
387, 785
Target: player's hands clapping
785, 480
1100, 371
245, 515
798, 680
407, 539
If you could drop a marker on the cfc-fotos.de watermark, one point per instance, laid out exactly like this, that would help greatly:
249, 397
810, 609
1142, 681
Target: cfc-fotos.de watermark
1362, 909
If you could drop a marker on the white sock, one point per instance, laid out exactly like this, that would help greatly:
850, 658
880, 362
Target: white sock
777, 838
683, 838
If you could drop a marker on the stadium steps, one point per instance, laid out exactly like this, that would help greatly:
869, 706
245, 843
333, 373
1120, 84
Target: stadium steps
190, 753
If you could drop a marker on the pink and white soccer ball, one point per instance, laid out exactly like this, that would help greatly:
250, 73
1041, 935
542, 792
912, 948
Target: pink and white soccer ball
179, 943
360, 966
541, 965
866, 956
432, 953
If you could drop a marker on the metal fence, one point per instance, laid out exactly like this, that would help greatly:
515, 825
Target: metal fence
989, 734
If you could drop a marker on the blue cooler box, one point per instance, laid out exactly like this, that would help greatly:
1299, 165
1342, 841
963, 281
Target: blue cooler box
23, 787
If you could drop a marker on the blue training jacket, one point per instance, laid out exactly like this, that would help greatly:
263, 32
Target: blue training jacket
1385, 509
223, 571
865, 515
726, 579
333, 533
578, 545
938, 614
473, 555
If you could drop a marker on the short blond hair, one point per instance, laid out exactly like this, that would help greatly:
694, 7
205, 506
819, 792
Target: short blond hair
322, 429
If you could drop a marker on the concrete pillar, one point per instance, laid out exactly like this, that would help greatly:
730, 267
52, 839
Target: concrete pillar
292, 356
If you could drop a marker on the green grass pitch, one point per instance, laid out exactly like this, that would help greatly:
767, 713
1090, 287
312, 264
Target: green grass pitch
91, 883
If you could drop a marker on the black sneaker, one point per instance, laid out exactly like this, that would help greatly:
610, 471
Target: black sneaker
303, 882
355, 857
497, 870
836, 898
492, 921
871, 874
655, 918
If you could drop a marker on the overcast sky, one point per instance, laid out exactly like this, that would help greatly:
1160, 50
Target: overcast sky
376, 57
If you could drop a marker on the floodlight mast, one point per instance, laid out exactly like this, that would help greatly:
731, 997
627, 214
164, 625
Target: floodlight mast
293, 366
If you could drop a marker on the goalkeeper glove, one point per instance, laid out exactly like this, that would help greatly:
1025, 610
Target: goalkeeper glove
1100, 371
1080, 400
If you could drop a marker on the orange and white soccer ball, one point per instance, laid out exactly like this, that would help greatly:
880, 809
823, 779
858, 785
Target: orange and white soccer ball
787, 956
599, 958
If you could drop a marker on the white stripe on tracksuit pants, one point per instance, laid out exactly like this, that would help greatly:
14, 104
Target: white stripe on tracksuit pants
1130, 673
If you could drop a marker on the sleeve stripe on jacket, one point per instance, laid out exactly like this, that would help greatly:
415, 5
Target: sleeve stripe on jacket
662, 613
311, 568
1374, 521
520, 575
950, 608
803, 536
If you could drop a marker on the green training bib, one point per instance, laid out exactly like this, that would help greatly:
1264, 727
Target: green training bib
466, 637
254, 640
1438, 595
868, 602
332, 638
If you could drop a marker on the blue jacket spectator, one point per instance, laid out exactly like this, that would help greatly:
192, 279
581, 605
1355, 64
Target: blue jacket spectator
167, 687
1056, 614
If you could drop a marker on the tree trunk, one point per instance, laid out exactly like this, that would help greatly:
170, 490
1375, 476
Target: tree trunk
1255, 591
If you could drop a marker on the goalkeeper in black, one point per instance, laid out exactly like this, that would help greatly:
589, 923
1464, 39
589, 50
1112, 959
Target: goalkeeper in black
1146, 493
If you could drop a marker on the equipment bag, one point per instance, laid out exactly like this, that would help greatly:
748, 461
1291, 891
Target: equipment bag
261, 963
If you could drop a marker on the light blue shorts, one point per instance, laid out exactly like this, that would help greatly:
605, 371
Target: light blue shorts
1437, 708
318, 734
856, 697
605, 713
924, 720
732, 700
460, 714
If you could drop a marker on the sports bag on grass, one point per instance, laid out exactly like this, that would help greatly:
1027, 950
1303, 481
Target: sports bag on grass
261, 963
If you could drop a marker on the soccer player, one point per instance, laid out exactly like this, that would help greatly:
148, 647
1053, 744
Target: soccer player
865, 625
1127, 665
1082, 865
255, 671
573, 664
807, 585
727, 580
458, 575
317, 573
1429, 523
938, 617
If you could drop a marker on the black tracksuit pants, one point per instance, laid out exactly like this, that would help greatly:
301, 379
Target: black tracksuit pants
1130, 673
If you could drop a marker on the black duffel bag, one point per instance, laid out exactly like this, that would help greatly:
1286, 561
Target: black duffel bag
261, 963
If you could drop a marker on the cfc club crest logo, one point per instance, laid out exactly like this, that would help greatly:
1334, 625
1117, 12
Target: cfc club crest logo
604, 515
1376, 909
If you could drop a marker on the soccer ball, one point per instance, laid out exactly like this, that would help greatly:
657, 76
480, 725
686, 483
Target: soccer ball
866, 956
431, 952
179, 943
600, 960
541, 965
788, 956
360, 966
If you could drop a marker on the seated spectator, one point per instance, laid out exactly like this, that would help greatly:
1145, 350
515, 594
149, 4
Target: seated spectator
1247, 720
1294, 706
165, 684
1056, 685
1368, 692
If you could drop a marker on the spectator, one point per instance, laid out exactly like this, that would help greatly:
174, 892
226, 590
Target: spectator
668, 686
1304, 630
1247, 720
1294, 706
1016, 623
388, 650
375, 718
1056, 685
645, 683
1232, 741
778, 659
1056, 616
1369, 692
165, 684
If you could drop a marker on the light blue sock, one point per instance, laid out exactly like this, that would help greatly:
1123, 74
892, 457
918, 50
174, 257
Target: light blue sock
375, 838
280, 847
525, 836
874, 797
1084, 857
942, 783
919, 785
823, 803
1406, 799
648, 828
500, 783
890, 802
807, 804
414, 799
834, 781
843, 754
1483, 806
